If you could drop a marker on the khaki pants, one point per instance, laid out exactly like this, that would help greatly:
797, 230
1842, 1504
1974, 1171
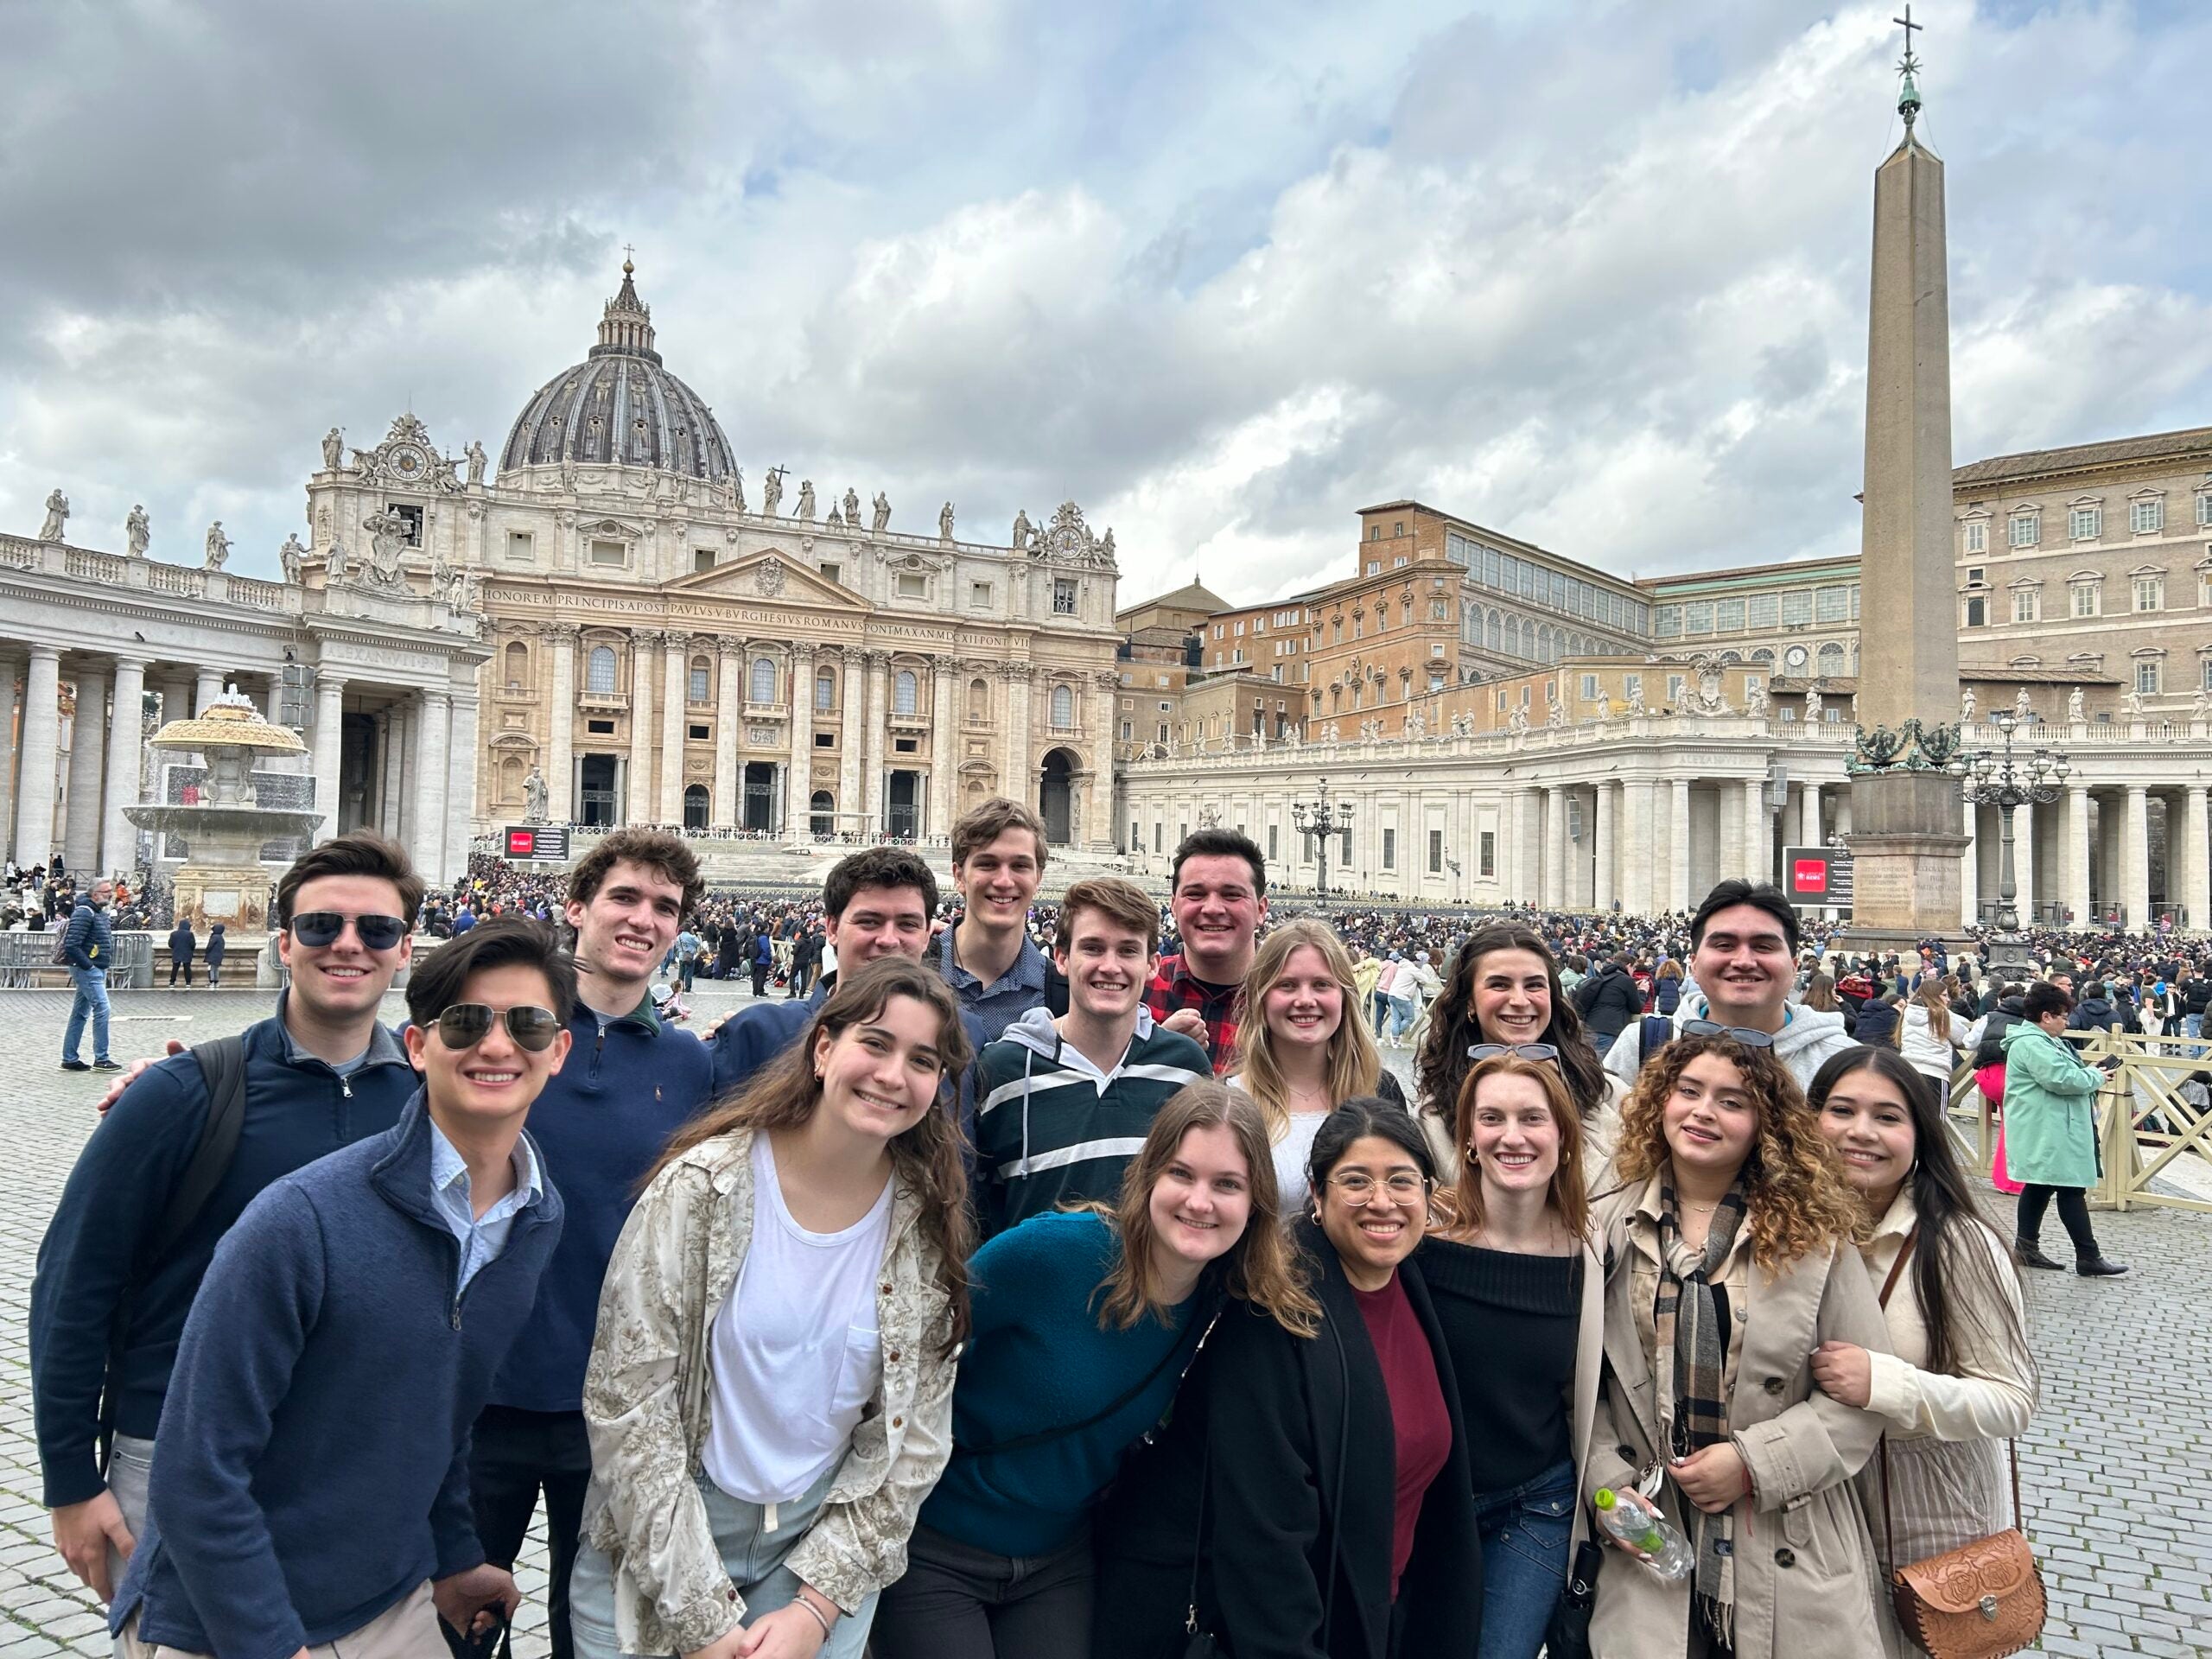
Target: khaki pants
407, 1630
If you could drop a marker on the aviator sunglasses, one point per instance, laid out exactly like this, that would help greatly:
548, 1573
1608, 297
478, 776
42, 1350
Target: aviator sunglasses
1525, 1050
316, 928
467, 1024
1744, 1035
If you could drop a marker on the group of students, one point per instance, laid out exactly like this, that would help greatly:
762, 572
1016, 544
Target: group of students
959, 1310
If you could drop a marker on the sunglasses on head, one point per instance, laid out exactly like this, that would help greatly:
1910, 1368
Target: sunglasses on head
1523, 1051
467, 1024
1744, 1035
317, 928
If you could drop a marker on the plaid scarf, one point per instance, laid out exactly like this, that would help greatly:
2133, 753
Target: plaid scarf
1691, 1365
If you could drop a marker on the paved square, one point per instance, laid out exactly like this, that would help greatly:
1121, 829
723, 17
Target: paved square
2124, 1436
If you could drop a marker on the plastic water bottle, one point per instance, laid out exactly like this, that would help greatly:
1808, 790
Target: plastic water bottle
1662, 1549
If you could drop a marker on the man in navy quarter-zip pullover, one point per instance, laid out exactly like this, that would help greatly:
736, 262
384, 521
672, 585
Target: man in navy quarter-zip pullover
629, 1084
320, 1075
310, 1482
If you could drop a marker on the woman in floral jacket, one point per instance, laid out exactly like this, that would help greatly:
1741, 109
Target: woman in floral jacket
770, 1391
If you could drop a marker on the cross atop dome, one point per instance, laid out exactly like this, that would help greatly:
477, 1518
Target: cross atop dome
1909, 94
626, 329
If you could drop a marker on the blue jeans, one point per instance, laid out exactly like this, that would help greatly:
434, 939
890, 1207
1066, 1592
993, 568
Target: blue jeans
1525, 1534
1402, 1016
2192, 1025
91, 998
753, 1554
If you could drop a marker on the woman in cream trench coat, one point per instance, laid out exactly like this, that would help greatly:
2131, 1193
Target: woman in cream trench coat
1802, 1544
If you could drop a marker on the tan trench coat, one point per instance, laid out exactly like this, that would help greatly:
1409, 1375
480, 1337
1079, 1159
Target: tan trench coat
646, 1404
1805, 1579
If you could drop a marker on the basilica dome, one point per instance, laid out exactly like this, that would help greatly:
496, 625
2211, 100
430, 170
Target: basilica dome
619, 406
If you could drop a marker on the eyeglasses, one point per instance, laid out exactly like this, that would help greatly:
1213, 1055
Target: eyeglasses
1520, 1051
1744, 1035
317, 928
1357, 1188
467, 1024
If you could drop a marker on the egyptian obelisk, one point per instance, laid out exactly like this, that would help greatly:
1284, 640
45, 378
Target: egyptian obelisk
1906, 818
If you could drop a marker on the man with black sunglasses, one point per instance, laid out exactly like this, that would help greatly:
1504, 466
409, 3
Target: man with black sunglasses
154, 1190
310, 1478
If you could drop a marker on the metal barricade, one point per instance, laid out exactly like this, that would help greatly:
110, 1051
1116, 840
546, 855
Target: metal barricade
27, 962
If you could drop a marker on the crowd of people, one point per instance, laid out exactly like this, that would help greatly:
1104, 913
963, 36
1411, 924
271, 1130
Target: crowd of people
1042, 1280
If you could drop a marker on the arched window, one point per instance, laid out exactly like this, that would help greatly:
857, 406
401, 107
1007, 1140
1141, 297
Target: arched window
695, 807
1977, 613
511, 779
701, 674
825, 688
905, 692
1830, 661
517, 673
764, 681
1527, 638
1543, 644
1493, 624
599, 670
1063, 708
821, 812
979, 701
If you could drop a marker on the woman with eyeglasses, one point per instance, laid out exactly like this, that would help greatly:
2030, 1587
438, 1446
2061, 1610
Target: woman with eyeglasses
1731, 1252
1512, 1270
1505, 993
1961, 1377
770, 1391
1301, 1051
1338, 1515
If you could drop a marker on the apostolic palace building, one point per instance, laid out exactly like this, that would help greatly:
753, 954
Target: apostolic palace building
607, 623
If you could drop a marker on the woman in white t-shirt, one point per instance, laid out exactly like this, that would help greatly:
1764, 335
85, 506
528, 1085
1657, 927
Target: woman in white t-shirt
770, 1392
1301, 1049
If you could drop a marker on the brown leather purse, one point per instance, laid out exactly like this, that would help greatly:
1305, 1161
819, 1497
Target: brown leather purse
1982, 1600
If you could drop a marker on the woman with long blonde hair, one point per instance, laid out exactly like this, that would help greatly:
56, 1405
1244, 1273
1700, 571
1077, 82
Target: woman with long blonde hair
1085, 1320
1927, 1039
1301, 1049
1733, 1253
769, 1395
1513, 1269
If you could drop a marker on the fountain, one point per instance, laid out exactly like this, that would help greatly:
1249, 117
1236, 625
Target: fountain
222, 879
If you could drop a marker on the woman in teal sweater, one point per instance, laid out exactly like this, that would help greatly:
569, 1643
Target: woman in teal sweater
1085, 1322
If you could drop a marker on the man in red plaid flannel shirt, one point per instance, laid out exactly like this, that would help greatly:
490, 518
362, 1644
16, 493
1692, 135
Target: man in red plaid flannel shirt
1220, 900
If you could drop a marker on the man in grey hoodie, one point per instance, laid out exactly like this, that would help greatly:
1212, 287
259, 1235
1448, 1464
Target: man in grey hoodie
1743, 957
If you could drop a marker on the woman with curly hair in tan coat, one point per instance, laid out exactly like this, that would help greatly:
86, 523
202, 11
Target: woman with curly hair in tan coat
1731, 1252
770, 1391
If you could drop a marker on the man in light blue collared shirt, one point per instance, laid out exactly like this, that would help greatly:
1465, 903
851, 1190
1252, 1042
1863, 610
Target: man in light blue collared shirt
987, 956
481, 1237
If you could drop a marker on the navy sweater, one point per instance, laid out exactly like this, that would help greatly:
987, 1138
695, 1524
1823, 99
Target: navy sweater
298, 1110
755, 1034
311, 1468
603, 1119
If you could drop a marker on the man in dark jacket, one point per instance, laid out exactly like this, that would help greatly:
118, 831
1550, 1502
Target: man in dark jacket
269, 1533
2095, 1011
1608, 1001
214, 953
320, 1075
182, 942
88, 945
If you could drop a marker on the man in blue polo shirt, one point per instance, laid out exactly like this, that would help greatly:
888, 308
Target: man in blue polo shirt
987, 956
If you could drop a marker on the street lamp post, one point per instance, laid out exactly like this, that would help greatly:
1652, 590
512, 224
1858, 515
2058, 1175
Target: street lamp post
1320, 818
1993, 778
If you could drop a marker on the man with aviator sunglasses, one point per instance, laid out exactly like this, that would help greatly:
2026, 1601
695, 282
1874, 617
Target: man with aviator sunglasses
126, 1249
376, 1291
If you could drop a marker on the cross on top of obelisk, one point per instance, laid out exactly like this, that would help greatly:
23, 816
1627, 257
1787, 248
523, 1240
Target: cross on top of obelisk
1908, 66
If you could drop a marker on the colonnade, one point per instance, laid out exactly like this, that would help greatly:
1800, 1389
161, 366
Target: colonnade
1650, 844
2097, 852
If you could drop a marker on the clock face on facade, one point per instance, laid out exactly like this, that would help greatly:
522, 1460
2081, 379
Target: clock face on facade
408, 461
1796, 660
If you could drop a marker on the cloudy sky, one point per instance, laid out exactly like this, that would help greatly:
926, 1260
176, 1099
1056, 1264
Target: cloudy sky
1223, 273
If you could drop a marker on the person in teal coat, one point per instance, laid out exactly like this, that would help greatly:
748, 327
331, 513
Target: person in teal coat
2050, 1130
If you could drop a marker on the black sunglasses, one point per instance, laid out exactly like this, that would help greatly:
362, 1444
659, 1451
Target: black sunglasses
1524, 1050
467, 1024
1742, 1034
317, 928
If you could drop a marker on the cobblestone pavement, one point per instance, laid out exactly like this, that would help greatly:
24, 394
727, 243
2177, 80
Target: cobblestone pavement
2123, 1428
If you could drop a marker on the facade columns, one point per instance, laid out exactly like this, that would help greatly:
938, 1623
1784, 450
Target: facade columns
1608, 822
1970, 887
407, 798
1555, 846
1678, 845
638, 799
7, 755
1101, 793
945, 747
798, 774
460, 784
871, 780
126, 748
2135, 856
1527, 844
2196, 858
560, 747
429, 791
2024, 861
2075, 857
1021, 784
729, 666
675, 693
80, 836
329, 737
1808, 815
1759, 836
41, 750
208, 685
852, 675
1639, 861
